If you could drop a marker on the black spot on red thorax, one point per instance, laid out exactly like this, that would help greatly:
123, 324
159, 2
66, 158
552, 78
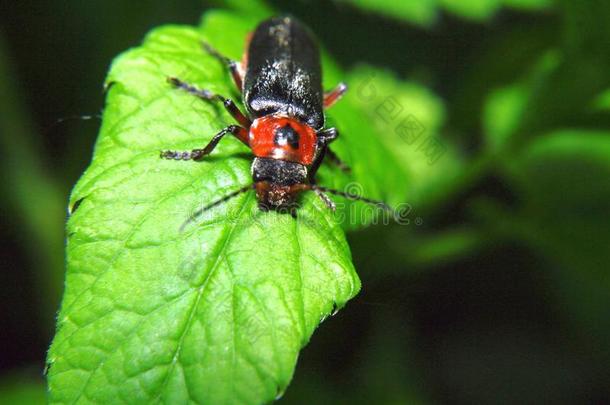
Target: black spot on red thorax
287, 135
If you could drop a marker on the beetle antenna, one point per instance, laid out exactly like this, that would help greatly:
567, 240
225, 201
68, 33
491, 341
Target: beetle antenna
353, 197
60, 121
216, 203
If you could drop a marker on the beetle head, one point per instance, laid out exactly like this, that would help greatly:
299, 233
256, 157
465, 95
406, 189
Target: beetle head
278, 182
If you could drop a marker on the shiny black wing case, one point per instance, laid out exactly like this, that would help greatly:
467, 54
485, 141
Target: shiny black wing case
283, 73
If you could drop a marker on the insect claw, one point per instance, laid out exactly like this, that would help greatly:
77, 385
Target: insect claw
174, 81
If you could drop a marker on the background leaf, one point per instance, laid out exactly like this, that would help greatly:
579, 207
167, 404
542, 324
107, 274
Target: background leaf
506, 110
426, 12
24, 172
422, 12
577, 161
20, 388
408, 118
564, 178
473, 9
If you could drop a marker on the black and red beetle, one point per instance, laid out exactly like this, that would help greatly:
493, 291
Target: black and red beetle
280, 79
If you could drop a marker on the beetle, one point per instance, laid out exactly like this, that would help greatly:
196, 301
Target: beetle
280, 80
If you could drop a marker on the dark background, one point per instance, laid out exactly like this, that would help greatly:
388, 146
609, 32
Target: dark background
495, 317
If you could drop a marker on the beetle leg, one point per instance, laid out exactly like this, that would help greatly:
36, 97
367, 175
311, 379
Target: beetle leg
236, 113
313, 169
327, 136
208, 95
333, 158
198, 154
293, 211
234, 67
312, 176
329, 203
334, 95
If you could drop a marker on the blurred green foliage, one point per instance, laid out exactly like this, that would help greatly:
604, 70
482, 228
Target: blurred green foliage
426, 12
500, 295
22, 390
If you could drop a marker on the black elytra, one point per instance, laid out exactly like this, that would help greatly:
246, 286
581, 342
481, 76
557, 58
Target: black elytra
284, 74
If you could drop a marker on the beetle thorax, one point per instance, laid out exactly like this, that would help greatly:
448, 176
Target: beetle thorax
284, 138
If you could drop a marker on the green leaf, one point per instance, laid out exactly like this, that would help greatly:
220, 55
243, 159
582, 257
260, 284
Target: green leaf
22, 387
421, 12
528, 5
602, 101
562, 179
33, 198
482, 10
507, 108
561, 183
408, 118
502, 115
472, 9
217, 313
425, 12
253, 8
